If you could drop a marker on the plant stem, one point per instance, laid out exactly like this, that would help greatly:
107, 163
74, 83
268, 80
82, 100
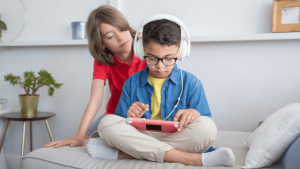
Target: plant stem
28, 90
22, 85
33, 92
33, 87
39, 86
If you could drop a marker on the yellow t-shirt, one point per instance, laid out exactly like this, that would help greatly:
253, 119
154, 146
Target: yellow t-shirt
156, 97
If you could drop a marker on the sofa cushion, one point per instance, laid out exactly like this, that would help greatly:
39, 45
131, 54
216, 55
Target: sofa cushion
35, 161
77, 157
269, 141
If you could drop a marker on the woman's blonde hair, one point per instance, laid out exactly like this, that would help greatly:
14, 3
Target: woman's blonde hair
109, 15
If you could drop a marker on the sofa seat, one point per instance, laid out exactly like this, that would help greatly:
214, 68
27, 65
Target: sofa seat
77, 157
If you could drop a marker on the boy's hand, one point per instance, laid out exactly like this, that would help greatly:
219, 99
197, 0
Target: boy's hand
137, 110
185, 117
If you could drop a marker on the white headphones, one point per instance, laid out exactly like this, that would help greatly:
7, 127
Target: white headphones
185, 44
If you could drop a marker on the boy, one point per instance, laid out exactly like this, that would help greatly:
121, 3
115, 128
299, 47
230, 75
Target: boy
152, 94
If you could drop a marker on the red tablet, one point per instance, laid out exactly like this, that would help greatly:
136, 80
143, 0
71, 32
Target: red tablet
153, 125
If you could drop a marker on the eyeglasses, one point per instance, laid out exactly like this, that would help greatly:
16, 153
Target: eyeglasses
151, 60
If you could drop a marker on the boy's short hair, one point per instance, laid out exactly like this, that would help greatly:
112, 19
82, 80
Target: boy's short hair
163, 32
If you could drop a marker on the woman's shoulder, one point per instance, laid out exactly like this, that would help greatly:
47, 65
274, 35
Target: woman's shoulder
98, 67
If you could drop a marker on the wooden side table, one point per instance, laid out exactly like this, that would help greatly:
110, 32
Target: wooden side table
16, 116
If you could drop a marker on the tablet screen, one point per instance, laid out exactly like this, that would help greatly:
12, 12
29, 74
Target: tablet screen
153, 127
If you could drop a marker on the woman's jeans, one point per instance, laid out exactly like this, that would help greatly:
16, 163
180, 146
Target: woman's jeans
94, 127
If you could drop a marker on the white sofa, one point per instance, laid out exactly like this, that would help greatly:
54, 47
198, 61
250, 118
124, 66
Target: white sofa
77, 157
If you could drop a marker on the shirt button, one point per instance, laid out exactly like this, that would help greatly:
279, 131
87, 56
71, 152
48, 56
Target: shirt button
164, 88
163, 108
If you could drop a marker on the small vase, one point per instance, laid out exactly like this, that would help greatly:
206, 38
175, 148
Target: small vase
28, 105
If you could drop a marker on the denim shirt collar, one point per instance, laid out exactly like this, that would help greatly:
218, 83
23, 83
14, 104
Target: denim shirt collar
175, 75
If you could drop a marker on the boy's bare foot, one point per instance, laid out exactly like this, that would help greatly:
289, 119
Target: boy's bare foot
123, 156
189, 159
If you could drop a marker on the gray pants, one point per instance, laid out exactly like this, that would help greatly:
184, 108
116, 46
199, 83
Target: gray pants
94, 127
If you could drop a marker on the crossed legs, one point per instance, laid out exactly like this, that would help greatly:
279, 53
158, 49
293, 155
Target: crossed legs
179, 147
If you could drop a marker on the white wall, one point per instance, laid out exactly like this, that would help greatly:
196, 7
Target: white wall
46, 20
51, 20
243, 81
206, 17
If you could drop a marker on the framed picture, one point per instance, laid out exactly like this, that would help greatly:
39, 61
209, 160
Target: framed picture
286, 16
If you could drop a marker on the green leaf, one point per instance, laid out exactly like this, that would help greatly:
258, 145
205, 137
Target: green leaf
57, 85
50, 91
3, 25
12, 79
27, 82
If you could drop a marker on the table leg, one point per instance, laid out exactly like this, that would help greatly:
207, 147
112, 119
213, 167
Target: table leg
23, 142
50, 134
30, 136
3, 135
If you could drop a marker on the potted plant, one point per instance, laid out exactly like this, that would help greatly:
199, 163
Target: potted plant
31, 83
2, 27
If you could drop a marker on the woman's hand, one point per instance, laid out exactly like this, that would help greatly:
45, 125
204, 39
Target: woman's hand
137, 110
185, 117
72, 142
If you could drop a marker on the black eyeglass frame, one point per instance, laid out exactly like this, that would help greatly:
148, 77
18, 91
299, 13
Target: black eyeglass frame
162, 60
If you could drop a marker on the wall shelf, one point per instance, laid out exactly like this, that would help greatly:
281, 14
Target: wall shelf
44, 43
247, 37
194, 39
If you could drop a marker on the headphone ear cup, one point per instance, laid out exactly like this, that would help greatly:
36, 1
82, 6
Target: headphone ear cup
139, 49
183, 50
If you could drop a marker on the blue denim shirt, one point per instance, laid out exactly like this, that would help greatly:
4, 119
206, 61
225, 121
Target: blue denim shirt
138, 88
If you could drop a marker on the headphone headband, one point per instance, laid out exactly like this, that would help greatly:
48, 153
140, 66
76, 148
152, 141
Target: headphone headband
185, 49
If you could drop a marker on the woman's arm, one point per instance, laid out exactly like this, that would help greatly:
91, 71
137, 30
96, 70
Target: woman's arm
87, 118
